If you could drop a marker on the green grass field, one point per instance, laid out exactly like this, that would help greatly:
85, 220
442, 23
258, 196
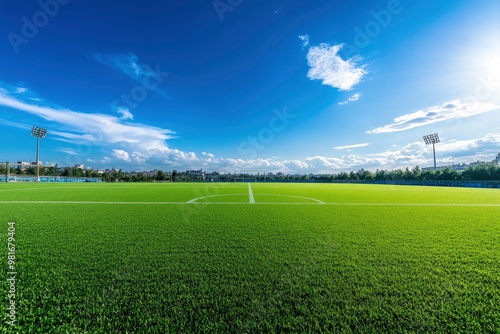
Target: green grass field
219, 258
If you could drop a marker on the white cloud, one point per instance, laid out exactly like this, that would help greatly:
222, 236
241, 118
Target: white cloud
351, 146
95, 129
449, 110
328, 66
128, 64
72, 137
125, 113
21, 90
121, 155
352, 98
18, 125
304, 39
231, 165
409, 155
69, 151
473, 148
134, 145
208, 155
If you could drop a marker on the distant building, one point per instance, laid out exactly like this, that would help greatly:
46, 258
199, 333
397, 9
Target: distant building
79, 166
432, 168
198, 175
463, 166
458, 167
213, 176
23, 165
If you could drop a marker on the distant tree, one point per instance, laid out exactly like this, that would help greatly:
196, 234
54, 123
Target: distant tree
51, 171
31, 170
408, 175
342, 176
365, 175
107, 177
398, 175
160, 176
380, 175
447, 174
482, 171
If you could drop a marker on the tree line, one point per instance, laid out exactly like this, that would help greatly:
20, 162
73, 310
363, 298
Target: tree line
49, 171
487, 171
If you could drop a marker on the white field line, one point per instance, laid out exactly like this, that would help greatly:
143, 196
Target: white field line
292, 196
85, 202
194, 200
246, 203
251, 199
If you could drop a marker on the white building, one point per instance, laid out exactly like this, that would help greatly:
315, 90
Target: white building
23, 165
196, 174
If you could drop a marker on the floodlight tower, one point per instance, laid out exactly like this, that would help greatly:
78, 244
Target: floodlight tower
432, 139
38, 133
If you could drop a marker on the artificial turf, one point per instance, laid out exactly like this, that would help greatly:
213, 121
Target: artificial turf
189, 258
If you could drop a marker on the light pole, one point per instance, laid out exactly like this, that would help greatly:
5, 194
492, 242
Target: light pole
38, 133
432, 139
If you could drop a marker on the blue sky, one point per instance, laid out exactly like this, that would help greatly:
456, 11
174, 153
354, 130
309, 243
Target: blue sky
233, 85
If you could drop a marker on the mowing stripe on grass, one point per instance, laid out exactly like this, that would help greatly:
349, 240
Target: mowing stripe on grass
250, 195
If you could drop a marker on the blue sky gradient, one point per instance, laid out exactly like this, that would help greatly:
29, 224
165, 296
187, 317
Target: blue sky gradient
300, 87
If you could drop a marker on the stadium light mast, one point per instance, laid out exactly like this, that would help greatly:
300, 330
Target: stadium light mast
432, 139
38, 133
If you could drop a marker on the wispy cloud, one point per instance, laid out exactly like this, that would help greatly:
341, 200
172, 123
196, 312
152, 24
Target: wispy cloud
125, 113
352, 98
305, 40
128, 64
15, 124
134, 145
449, 110
412, 154
474, 148
72, 137
94, 128
327, 65
346, 147
69, 151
